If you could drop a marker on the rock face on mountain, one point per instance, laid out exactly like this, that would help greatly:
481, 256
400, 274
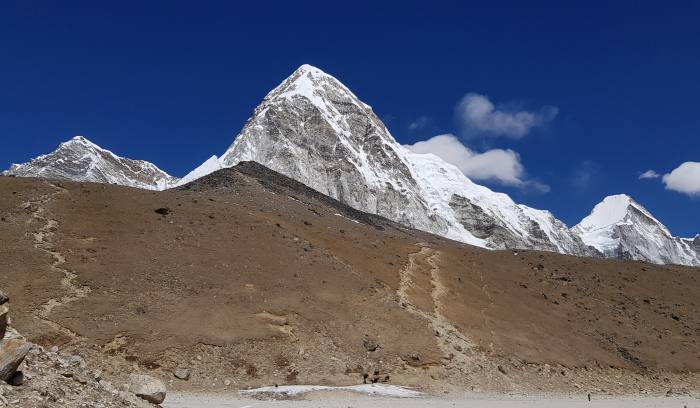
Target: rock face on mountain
315, 130
619, 227
81, 160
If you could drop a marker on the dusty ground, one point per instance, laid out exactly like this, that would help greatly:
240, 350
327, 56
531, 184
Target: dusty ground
252, 279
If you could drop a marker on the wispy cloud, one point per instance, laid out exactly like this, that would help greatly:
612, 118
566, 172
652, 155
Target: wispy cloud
479, 116
499, 165
684, 179
649, 174
584, 174
419, 123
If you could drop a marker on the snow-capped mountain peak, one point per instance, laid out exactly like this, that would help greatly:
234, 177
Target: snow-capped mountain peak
82, 140
79, 159
314, 129
615, 209
620, 227
313, 84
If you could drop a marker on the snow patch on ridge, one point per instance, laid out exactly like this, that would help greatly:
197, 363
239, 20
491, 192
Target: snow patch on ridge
211, 165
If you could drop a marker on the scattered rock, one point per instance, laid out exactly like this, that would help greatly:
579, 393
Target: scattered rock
502, 370
182, 373
12, 353
148, 388
162, 211
71, 361
675, 392
370, 343
3, 298
80, 378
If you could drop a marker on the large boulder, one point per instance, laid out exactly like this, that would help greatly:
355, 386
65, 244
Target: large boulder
4, 317
12, 353
148, 388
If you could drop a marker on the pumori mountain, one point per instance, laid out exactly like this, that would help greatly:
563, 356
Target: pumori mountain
314, 129
81, 160
619, 227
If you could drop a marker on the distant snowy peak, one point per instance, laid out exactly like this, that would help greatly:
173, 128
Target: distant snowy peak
622, 228
78, 159
211, 165
615, 209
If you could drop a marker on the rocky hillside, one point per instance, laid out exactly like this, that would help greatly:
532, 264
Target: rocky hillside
346, 297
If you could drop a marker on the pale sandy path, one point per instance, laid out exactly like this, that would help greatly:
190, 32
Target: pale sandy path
330, 401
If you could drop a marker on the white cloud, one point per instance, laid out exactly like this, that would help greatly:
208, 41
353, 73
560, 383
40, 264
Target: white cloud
684, 179
649, 174
499, 165
480, 116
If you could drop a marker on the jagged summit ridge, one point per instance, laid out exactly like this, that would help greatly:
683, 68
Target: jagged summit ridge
79, 159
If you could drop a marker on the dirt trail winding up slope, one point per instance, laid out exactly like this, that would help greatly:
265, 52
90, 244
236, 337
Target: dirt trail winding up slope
43, 241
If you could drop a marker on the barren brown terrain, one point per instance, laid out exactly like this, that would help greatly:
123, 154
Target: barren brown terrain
248, 278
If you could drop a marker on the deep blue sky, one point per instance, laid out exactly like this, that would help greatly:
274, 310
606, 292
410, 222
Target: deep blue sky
173, 82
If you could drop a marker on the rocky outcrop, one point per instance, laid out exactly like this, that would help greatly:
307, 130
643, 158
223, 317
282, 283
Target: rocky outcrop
81, 160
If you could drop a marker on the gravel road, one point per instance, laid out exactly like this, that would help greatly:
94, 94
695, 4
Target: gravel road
355, 401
